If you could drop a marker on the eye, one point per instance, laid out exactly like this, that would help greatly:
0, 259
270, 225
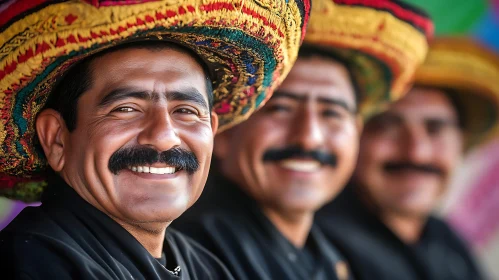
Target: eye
278, 108
330, 113
124, 109
435, 127
186, 111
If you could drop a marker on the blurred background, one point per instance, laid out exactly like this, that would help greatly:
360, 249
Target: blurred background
472, 202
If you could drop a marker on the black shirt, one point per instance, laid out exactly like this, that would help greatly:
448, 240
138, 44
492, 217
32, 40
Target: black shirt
231, 225
375, 252
67, 238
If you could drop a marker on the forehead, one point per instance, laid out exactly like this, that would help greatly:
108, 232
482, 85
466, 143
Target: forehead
152, 69
422, 103
319, 77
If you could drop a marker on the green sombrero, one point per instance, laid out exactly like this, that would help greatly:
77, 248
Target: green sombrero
250, 46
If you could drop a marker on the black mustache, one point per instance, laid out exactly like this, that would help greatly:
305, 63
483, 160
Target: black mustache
393, 167
179, 158
298, 152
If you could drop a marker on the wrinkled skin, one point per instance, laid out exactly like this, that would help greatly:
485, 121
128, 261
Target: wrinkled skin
146, 111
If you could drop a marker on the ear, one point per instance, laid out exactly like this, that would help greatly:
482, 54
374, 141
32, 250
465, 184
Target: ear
50, 128
222, 144
359, 123
214, 122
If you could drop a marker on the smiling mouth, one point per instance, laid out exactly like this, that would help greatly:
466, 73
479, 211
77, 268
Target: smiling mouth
154, 170
301, 165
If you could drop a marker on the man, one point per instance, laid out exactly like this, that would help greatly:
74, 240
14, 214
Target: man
112, 103
296, 153
407, 156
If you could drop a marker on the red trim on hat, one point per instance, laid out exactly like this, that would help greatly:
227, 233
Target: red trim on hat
307, 7
18, 8
407, 15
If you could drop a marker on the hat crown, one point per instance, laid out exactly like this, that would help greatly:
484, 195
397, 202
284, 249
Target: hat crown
382, 41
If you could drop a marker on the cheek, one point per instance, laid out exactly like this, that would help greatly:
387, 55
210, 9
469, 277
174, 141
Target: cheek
448, 155
376, 150
199, 140
257, 135
107, 138
345, 144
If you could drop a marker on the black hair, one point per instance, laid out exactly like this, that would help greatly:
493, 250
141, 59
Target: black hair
458, 106
78, 79
308, 51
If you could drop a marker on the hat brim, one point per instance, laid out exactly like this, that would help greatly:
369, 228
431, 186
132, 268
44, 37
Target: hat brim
249, 46
470, 72
479, 103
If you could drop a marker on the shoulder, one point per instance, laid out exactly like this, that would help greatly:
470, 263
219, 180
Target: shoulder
439, 227
232, 240
37, 246
28, 256
443, 232
198, 260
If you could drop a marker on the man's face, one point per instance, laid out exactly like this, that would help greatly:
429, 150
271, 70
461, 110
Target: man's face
408, 153
296, 153
142, 103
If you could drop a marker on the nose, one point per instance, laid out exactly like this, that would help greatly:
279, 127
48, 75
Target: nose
307, 132
159, 132
418, 145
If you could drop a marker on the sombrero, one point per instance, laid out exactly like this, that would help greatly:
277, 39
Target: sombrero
382, 41
250, 46
470, 72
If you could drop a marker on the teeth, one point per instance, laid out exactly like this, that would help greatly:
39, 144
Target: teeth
301, 165
153, 170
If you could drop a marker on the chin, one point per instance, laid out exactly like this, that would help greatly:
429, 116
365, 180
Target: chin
414, 211
301, 205
160, 209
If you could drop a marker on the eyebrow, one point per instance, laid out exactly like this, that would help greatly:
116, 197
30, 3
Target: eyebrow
325, 100
384, 116
189, 94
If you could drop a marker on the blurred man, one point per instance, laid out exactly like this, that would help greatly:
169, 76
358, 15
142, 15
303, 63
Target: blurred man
295, 154
383, 221
118, 101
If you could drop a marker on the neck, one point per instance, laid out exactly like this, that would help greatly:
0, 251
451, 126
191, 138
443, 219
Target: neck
295, 227
407, 228
152, 237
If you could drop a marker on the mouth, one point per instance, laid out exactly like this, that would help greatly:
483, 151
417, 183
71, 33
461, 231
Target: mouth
301, 165
154, 170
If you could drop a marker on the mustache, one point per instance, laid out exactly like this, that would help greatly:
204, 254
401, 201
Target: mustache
393, 167
179, 158
298, 152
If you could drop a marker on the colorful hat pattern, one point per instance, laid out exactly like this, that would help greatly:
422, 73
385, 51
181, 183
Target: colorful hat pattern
383, 42
469, 71
250, 46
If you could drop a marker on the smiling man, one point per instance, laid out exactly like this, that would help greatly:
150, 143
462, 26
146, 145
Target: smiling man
109, 118
407, 156
297, 152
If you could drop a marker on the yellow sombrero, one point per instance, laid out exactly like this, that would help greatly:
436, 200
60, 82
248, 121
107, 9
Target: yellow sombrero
470, 71
250, 46
382, 41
